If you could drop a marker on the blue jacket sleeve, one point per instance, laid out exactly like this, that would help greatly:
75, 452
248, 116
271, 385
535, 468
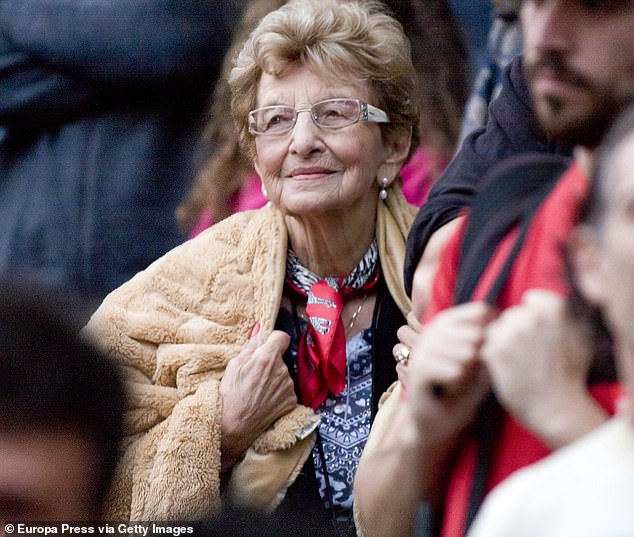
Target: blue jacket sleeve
58, 56
112, 40
33, 93
511, 129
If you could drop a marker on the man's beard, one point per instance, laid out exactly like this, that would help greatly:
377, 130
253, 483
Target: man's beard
586, 128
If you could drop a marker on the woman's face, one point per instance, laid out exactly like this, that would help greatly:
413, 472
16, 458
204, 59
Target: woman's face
313, 171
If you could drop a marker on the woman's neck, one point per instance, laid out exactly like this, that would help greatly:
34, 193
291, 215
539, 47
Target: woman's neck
332, 245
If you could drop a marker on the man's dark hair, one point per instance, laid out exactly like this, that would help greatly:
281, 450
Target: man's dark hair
51, 379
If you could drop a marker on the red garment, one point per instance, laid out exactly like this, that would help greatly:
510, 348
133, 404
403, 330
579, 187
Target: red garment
321, 357
248, 197
539, 265
418, 175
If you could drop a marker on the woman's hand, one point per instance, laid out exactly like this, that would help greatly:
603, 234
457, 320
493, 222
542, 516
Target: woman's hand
539, 365
256, 389
408, 336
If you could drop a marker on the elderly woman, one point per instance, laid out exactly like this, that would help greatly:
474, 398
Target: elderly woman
257, 351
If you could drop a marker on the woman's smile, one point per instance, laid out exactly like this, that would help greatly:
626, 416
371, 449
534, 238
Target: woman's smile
311, 174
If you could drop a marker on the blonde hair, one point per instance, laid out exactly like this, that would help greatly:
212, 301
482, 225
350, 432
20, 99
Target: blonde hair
350, 41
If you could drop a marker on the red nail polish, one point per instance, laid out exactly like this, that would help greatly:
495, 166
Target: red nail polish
255, 329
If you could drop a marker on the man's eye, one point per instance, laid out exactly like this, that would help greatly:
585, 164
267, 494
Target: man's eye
18, 508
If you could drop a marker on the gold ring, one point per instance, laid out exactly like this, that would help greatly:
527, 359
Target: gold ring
401, 354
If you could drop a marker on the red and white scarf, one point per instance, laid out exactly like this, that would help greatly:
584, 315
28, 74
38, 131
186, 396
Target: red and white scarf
321, 356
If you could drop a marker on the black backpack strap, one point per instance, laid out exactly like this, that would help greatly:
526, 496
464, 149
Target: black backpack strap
510, 197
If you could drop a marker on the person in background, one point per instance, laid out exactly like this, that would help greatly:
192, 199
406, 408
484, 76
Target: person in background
585, 489
504, 42
61, 413
498, 122
101, 110
434, 444
227, 183
512, 129
296, 302
474, 19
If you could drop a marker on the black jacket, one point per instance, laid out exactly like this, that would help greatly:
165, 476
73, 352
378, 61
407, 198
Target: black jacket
511, 129
302, 501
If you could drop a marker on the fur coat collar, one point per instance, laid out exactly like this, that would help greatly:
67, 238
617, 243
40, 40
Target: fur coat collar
173, 327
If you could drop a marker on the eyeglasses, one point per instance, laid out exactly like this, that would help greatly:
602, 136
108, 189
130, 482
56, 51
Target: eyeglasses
328, 114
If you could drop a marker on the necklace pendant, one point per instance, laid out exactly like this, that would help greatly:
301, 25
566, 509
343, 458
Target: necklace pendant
340, 408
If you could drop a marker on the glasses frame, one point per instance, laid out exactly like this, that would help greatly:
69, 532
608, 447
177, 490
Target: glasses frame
367, 114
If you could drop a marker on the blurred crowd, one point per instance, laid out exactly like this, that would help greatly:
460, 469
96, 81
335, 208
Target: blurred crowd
349, 268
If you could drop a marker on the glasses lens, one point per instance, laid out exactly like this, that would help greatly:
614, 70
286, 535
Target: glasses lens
335, 113
272, 119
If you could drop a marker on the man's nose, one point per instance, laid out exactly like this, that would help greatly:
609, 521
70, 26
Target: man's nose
547, 26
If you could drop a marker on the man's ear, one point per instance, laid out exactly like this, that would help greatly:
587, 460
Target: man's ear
586, 264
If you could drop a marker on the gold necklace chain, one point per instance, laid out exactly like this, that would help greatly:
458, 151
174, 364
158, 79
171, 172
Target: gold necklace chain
356, 313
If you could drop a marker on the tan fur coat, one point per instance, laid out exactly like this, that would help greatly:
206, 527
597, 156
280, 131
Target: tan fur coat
173, 327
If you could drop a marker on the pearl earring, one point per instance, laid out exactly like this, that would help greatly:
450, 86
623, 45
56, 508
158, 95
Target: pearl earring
264, 192
385, 182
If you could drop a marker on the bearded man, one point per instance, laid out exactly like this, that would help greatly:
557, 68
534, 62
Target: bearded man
433, 442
